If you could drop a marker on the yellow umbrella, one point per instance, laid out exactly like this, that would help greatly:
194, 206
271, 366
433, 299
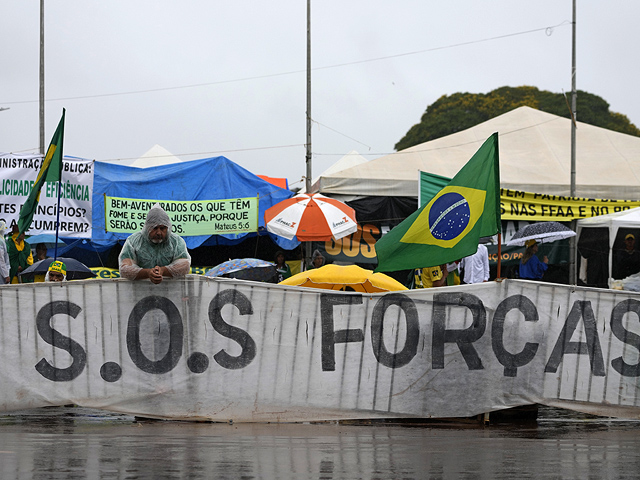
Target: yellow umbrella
351, 278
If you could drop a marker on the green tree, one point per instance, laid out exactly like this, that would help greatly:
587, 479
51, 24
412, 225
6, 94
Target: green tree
453, 113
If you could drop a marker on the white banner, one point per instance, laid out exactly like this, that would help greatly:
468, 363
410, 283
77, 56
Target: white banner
223, 349
17, 176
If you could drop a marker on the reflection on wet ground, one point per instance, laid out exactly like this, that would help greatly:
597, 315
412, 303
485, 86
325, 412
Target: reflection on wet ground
84, 443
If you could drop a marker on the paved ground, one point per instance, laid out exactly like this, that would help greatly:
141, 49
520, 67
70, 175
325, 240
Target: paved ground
83, 443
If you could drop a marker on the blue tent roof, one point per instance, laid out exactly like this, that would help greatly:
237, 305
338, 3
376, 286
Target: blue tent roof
216, 178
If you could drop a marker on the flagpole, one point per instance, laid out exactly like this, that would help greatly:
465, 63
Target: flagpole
499, 273
55, 252
41, 98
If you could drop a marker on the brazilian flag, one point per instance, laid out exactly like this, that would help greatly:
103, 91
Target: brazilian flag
449, 226
50, 171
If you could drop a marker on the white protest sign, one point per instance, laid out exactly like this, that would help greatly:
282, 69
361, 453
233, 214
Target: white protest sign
222, 349
17, 176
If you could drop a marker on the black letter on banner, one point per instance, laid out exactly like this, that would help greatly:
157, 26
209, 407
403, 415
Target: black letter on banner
242, 303
463, 338
512, 361
174, 352
331, 337
386, 358
630, 338
56, 339
580, 309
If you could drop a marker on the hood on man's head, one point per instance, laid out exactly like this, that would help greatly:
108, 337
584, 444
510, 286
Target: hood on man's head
156, 216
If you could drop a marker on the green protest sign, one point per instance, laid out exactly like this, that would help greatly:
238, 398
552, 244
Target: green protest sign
202, 217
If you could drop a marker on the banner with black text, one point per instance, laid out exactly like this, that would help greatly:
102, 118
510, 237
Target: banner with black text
17, 176
224, 349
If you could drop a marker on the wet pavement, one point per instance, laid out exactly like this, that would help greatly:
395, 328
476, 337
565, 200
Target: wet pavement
82, 443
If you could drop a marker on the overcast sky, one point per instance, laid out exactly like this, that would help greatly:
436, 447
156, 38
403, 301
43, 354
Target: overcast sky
208, 78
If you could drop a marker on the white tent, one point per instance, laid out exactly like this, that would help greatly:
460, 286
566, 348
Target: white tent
535, 156
351, 159
628, 219
155, 156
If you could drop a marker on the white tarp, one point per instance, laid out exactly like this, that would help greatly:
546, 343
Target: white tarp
17, 176
224, 350
535, 156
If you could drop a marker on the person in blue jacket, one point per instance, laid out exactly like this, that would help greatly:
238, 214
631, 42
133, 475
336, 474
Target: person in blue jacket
531, 268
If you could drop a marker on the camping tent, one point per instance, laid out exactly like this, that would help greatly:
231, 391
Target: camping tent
535, 156
154, 157
599, 237
351, 159
215, 178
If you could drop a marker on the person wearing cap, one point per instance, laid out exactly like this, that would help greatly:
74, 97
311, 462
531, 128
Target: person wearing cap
317, 260
282, 269
57, 272
5, 263
155, 252
20, 257
627, 260
531, 268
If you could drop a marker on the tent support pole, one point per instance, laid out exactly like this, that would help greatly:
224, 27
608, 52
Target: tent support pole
572, 241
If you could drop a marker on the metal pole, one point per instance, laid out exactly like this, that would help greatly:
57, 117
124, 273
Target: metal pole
572, 242
308, 144
307, 255
42, 77
499, 272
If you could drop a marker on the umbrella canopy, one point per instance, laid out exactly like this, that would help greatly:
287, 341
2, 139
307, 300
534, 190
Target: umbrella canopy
75, 270
350, 278
312, 217
48, 239
244, 269
541, 232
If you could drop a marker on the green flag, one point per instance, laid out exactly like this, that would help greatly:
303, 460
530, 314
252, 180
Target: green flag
449, 226
50, 171
430, 184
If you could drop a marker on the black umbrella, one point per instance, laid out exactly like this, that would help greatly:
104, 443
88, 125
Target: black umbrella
75, 270
541, 232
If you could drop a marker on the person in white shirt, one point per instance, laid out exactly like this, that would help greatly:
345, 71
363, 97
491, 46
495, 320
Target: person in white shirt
476, 266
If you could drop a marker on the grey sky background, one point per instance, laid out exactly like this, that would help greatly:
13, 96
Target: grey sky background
207, 78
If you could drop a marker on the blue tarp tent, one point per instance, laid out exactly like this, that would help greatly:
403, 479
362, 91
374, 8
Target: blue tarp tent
216, 178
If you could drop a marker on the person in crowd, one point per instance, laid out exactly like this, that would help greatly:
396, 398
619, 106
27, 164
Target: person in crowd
317, 260
475, 268
282, 269
5, 263
531, 268
430, 277
57, 272
154, 252
20, 256
453, 273
627, 261
41, 252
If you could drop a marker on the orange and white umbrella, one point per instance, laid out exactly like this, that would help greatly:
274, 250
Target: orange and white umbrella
311, 217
